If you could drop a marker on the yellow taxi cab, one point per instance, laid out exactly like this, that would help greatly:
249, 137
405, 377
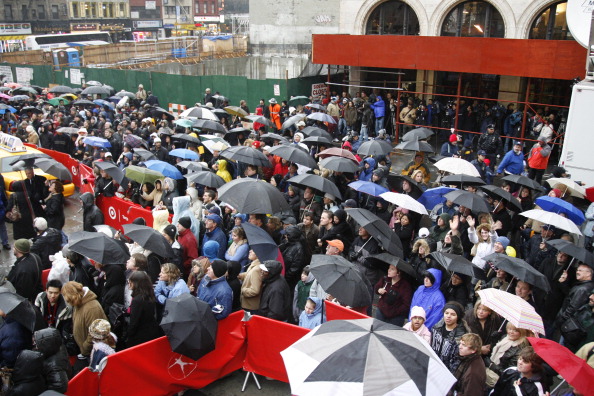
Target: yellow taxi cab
11, 148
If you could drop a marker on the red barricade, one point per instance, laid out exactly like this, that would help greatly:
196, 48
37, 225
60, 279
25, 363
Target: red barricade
84, 383
117, 212
338, 312
153, 369
266, 338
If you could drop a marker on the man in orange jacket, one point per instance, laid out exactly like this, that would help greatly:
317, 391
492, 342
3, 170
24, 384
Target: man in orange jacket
275, 109
538, 159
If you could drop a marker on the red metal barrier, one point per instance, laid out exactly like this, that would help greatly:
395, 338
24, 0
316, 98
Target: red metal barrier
117, 212
84, 383
338, 312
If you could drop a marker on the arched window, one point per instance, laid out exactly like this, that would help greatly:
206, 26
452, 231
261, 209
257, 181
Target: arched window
551, 24
473, 19
393, 17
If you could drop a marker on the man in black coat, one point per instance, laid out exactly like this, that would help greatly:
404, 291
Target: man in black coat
25, 275
36, 189
47, 242
275, 301
92, 215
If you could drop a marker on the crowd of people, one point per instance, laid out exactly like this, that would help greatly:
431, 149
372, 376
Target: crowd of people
81, 306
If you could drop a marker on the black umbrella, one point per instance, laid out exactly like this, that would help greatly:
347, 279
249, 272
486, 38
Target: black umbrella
519, 269
83, 102
150, 239
209, 125
190, 326
578, 253
19, 309
417, 134
68, 130
144, 154
192, 165
186, 138
112, 170
416, 145
374, 148
238, 130
522, 181
378, 229
338, 164
247, 155
275, 136
60, 89
469, 200
252, 196
317, 183
501, 194
259, 119
319, 133
457, 263
386, 259
53, 167
205, 178
95, 90
260, 242
31, 109
462, 180
28, 159
340, 278
158, 112
24, 91
316, 140
99, 247
395, 183
293, 153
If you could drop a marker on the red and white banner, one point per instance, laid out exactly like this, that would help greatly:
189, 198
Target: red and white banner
176, 109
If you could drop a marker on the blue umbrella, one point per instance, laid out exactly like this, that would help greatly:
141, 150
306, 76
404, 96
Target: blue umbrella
97, 142
368, 188
4, 108
557, 205
185, 154
102, 102
434, 196
166, 169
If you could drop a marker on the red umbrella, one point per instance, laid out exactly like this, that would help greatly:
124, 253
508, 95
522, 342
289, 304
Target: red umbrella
574, 370
337, 152
590, 194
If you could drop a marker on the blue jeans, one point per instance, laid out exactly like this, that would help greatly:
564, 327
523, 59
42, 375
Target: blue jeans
363, 135
398, 320
342, 126
379, 124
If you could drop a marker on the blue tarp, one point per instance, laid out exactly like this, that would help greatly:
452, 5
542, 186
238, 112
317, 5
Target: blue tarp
213, 38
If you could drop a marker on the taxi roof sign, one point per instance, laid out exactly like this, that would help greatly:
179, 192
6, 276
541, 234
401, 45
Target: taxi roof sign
11, 143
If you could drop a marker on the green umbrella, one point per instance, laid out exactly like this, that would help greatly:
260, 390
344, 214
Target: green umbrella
299, 100
142, 175
183, 122
56, 101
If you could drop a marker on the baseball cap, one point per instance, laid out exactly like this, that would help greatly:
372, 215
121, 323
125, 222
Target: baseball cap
337, 243
216, 218
423, 232
482, 152
491, 126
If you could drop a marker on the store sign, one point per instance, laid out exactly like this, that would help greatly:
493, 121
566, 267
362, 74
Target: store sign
147, 24
206, 18
318, 89
150, 5
87, 27
15, 28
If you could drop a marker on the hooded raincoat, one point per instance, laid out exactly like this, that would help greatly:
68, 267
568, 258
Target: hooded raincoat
431, 299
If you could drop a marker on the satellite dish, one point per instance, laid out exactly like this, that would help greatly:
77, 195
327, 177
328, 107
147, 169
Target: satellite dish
579, 19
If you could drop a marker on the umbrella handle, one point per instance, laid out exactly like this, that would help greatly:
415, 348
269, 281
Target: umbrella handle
501, 327
510, 283
558, 386
570, 263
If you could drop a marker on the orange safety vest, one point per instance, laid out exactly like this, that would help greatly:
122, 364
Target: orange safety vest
275, 114
537, 161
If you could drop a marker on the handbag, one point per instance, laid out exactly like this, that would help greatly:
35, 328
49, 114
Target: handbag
14, 214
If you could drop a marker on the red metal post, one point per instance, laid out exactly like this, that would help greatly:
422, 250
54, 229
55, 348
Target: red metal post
527, 97
458, 102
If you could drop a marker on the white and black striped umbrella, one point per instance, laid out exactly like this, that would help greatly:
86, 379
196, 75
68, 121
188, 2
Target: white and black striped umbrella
364, 357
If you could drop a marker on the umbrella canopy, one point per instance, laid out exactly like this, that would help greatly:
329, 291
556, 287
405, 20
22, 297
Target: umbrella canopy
21, 98
404, 201
134, 141
190, 326
313, 131
150, 239
93, 83
462, 180
378, 229
513, 308
142, 175
102, 102
338, 164
214, 145
571, 249
199, 112
340, 278
260, 242
468, 200
251, 196
247, 155
53, 167
144, 154
184, 122
238, 130
60, 89
275, 136
165, 168
29, 158
95, 90
574, 189
31, 109
457, 166
374, 148
186, 138
298, 100
500, 194
19, 309
368, 188
192, 166
293, 153
364, 357
338, 152
316, 106
96, 142
552, 219
522, 181
123, 93
323, 117
185, 154
259, 119
520, 269
557, 205
24, 91
316, 140
158, 112
293, 120
572, 368
206, 178
417, 134
434, 196
236, 111
56, 101
99, 247
396, 183
209, 125
317, 183
112, 170
68, 130
457, 263
387, 259
415, 145
83, 102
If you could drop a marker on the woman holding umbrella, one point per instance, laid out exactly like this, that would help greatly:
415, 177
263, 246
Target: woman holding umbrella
505, 353
54, 205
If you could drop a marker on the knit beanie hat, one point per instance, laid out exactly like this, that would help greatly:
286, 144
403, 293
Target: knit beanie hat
99, 329
219, 267
185, 222
23, 245
504, 241
418, 311
456, 307
170, 231
40, 223
453, 138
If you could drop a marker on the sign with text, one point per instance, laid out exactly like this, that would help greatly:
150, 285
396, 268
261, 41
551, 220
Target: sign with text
147, 24
24, 75
75, 77
318, 89
15, 28
6, 71
276, 90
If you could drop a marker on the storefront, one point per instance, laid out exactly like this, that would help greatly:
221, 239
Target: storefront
209, 24
147, 30
12, 36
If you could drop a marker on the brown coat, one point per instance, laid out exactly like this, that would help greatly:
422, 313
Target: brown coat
251, 288
83, 316
471, 376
